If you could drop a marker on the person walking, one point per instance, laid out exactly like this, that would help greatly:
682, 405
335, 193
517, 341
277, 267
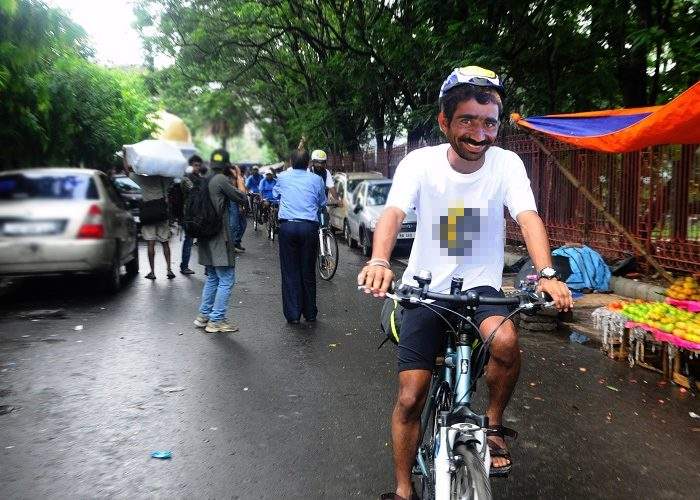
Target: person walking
190, 183
236, 215
155, 217
302, 194
217, 253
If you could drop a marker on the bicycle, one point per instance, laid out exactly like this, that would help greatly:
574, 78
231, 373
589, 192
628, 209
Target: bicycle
453, 460
327, 249
255, 209
273, 223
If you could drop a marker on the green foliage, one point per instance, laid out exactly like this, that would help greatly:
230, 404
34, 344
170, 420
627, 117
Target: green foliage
340, 73
8, 6
213, 109
55, 105
94, 112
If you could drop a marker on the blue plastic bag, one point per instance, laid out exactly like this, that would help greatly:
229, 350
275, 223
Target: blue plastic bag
588, 269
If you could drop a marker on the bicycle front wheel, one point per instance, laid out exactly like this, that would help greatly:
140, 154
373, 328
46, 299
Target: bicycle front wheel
470, 481
256, 216
328, 263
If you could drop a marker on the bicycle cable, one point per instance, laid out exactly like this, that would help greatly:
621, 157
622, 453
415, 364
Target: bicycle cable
486, 346
454, 331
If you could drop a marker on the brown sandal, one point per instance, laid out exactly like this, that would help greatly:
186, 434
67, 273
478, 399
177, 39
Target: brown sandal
500, 451
394, 496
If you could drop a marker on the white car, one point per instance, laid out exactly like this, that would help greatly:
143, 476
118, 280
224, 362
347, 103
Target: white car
65, 220
368, 202
345, 184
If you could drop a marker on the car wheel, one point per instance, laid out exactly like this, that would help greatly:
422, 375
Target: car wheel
132, 267
111, 279
347, 235
365, 242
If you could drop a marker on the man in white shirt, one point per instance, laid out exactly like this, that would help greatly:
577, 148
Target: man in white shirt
459, 191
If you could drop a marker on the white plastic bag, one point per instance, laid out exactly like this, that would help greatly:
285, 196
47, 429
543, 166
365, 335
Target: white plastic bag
156, 157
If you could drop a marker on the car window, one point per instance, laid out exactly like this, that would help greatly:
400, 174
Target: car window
339, 188
126, 185
377, 194
48, 186
112, 192
360, 194
352, 184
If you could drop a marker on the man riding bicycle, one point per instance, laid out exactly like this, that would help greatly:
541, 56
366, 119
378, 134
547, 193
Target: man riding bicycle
252, 182
319, 160
459, 191
265, 189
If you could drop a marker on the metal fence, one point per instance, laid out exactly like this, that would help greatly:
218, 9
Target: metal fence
654, 193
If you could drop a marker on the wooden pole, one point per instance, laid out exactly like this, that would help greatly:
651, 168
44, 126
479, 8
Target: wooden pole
597, 204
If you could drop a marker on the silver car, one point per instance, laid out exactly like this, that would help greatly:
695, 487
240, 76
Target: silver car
65, 220
368, 201
345, 183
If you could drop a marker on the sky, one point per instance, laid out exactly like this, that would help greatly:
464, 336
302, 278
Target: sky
108, 24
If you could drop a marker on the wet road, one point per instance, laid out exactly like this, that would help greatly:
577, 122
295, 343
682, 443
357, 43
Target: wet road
277, 411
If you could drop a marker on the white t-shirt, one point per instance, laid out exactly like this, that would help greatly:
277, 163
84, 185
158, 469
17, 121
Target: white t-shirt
328, 180
461, 225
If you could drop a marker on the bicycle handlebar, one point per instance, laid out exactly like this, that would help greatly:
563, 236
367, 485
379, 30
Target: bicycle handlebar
471, 298
414, 294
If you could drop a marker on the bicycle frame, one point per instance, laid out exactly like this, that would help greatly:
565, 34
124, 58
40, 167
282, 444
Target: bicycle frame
323, 229
454, 456
452, 389
322, 243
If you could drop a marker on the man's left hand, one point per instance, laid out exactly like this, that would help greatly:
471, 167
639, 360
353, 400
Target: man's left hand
559, 292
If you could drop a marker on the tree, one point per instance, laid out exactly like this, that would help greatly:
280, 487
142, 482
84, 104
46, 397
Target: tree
56, 105
211, 107
340, 73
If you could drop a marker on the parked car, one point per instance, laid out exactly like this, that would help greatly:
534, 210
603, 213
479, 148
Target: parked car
65, 220
368, 201
131, 193
345, 184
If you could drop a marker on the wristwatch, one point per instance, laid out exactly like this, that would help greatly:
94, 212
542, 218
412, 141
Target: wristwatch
548, 273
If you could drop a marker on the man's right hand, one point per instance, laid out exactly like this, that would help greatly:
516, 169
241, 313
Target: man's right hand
376, 280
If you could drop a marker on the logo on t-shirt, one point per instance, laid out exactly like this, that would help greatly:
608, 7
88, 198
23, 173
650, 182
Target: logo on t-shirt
460, 232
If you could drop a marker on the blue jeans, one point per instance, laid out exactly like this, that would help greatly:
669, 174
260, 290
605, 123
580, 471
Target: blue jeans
216, 292
186, 253
237, 222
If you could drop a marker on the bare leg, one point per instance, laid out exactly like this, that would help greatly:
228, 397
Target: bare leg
152, 255
405, 425
501, 373
166, 253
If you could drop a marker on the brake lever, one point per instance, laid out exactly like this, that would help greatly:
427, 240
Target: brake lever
410, 298
400, 298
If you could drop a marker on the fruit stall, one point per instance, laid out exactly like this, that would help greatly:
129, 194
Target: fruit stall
663, 335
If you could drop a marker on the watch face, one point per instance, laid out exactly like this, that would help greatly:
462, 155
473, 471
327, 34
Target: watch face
548, 272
